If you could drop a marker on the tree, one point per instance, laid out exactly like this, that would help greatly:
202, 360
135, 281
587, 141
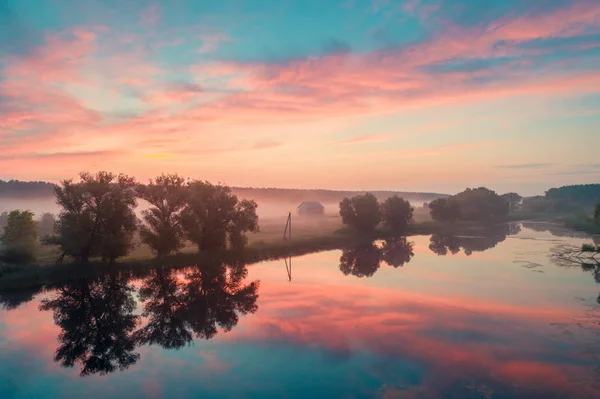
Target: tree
597, 214
213, 216
444, 210
583, 194
163, 232
46, 224
361, 212
19, 237
97, 218
396, 213
481, 204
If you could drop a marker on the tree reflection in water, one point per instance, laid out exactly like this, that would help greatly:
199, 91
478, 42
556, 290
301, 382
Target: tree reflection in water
196, 303
97, 322
475, 241
164, 306
397, 251
100, 331
365, 259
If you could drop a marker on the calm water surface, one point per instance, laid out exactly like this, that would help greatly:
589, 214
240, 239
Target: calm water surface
465, 316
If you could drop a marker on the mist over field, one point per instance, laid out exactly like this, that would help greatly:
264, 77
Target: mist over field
272, 203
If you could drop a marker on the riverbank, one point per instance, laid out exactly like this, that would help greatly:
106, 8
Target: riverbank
50, 274
268, 246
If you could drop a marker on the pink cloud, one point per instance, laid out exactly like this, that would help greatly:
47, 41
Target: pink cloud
53, 91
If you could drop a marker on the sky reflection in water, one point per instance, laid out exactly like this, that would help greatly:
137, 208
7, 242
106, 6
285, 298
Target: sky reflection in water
463, 316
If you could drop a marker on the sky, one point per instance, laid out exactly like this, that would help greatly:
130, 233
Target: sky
415, 95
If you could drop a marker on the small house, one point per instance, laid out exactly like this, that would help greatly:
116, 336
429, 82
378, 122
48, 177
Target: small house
311, 208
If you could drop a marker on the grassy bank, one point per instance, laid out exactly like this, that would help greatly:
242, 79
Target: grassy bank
309, 235
269, 246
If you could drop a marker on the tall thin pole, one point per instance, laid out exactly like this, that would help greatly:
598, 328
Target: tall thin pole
287, 222
290, 217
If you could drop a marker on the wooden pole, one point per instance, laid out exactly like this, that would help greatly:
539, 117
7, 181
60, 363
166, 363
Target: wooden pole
286, 228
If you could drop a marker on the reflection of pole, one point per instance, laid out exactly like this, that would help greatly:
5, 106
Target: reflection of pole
288, 267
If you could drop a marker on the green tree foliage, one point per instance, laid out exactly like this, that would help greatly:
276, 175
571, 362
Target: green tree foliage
46, 224
97, 217
396, 213
481, 204
597, 214
444, 210
162, 231
19, 237
213, 216
584, 194
361, 212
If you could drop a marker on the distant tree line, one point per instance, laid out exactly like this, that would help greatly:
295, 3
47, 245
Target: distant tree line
17, 188
97, 218
583, 194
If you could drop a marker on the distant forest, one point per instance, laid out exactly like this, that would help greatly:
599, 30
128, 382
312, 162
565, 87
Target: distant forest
582, 194
26, 189
38, 189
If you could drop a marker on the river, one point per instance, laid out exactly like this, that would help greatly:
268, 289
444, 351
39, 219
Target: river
464, 316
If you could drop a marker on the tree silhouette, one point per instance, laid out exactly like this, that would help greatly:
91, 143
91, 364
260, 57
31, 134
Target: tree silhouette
19, 237
361, 261
163, 232
361, 212
97, 324
397, 251
46, 224
213, 215
444, 210
481, 204
12, 299
97, 218
396, 213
